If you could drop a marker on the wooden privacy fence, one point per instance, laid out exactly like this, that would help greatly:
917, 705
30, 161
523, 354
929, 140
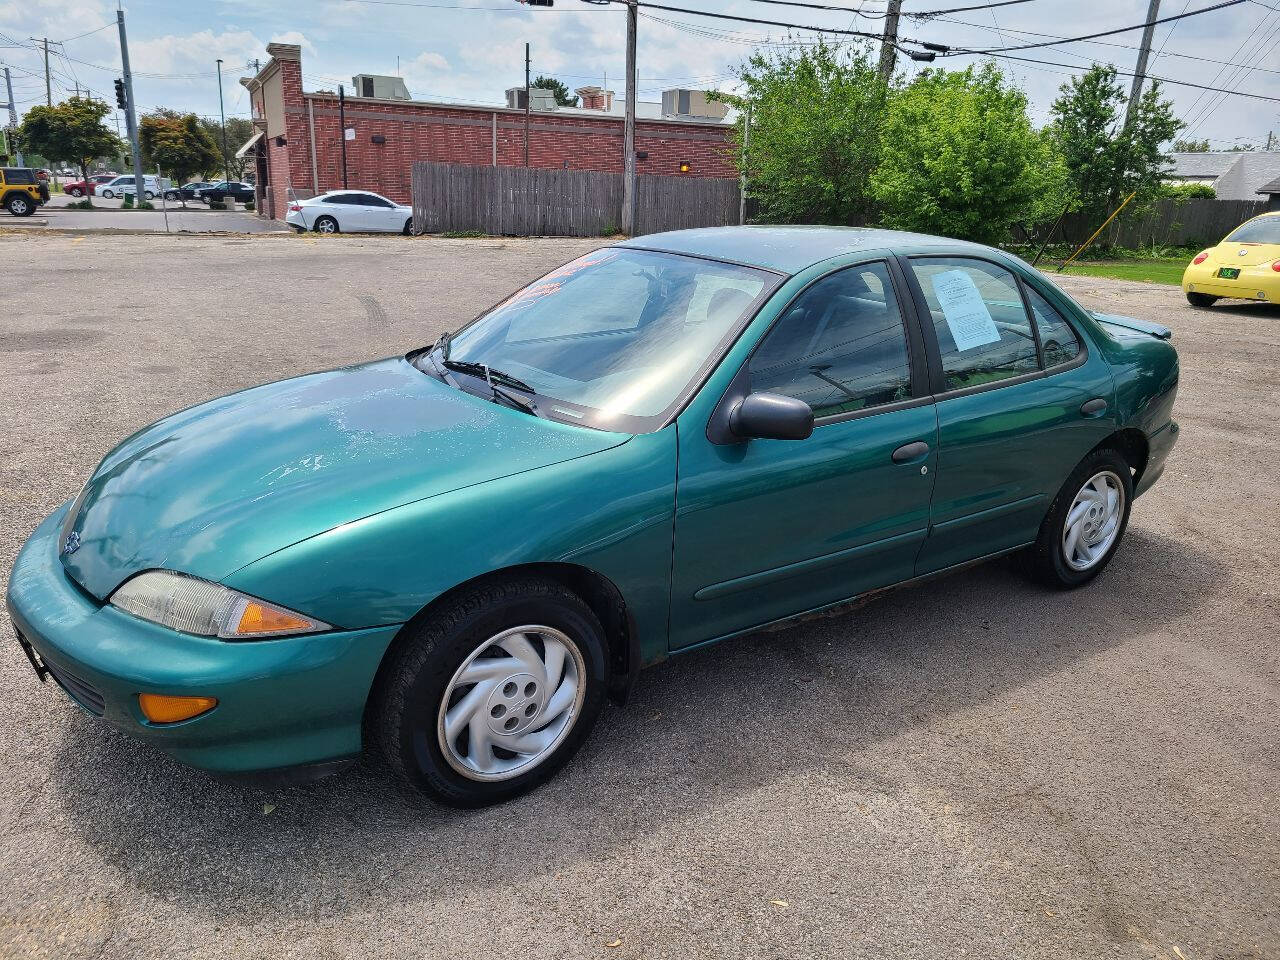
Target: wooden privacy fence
530, 201
1168, 223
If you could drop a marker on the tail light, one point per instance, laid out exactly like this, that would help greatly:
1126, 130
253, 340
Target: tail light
1276, 266
1201, 257
296, 209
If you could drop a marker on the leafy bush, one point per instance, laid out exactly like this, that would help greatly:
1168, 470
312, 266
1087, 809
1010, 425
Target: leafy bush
248, 205
128, 202
85, 204
1188, 191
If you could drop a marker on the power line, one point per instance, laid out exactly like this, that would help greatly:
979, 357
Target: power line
926, 14
1123, 73
1136, 26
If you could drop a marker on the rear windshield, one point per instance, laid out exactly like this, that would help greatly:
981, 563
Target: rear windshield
1262, 230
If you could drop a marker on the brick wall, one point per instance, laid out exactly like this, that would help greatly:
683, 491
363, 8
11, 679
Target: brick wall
446, 134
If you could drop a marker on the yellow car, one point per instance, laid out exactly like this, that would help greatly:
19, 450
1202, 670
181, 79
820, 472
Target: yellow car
1245, 266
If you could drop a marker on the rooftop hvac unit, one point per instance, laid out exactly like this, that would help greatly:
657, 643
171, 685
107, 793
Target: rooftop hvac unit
693, 104
380, 88
540, 98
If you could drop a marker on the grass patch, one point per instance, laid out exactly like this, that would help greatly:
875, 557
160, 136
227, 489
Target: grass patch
1146, 271
463, 234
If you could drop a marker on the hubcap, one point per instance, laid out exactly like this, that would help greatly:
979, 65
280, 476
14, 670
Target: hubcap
511, 703
326, 226
1093, 522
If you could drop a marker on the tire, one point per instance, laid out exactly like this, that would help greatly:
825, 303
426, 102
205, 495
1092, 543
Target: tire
76, 192
1051, 563
20, 205
1201, 299
408, 227
108, 194
148, 194
326, 224
173, 195
424, 678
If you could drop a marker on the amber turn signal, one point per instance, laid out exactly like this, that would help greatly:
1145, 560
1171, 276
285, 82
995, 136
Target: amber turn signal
159, 708
258, 618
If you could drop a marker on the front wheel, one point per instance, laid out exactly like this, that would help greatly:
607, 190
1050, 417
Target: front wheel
326, 225
20, 205
492, 694
108, 195
173, 195
76, 192
149, 195
1086, 521
1201, 299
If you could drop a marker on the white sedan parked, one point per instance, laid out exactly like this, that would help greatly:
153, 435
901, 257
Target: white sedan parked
352, 211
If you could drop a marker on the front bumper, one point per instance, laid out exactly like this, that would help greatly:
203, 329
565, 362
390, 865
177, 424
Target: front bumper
281, 703
1258, 282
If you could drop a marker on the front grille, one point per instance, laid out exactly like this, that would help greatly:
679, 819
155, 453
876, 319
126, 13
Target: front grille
79, 691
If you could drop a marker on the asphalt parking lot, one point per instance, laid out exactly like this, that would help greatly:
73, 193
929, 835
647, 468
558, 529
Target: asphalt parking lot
971, 767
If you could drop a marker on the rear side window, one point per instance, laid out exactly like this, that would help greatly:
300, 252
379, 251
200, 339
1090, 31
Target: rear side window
1058, 341
18, 175
984, 333
840, 346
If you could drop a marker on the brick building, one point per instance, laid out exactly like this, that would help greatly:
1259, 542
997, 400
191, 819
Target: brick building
298, 145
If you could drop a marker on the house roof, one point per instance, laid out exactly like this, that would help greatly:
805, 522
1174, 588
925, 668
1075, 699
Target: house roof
1236, 175
1272, 187
1203, 164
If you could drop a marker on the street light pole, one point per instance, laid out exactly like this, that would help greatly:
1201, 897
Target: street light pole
131, 113
222, 115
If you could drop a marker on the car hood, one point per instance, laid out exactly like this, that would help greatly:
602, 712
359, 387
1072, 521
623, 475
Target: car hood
215, 487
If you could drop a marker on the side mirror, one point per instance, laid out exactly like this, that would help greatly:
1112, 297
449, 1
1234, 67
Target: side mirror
771, 416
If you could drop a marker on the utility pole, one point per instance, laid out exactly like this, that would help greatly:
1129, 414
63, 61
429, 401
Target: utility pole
342, 122
526, 104
6, 73
888, 44
222, 116
13, 115
742, 180
48, 89
131, 113
1140, 71
629, 128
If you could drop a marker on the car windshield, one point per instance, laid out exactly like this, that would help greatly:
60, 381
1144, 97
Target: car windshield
1262, 230
614, 339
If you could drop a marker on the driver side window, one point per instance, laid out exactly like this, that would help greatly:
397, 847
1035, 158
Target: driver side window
840, 346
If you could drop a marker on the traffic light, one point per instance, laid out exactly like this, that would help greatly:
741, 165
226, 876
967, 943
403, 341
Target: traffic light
121, 102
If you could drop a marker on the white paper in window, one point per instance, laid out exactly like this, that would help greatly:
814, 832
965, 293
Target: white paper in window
968, 318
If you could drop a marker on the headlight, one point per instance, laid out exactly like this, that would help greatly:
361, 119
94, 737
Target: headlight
197, 606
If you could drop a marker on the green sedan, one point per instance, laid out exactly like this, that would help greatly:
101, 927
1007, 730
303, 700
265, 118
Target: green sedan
457, 554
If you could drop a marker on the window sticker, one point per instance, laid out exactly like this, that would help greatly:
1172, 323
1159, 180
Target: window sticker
967, 316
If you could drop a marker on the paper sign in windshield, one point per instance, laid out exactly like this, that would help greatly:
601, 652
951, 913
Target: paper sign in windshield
967, 316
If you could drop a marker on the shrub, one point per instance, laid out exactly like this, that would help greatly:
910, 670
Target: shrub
128, 202
1188, 191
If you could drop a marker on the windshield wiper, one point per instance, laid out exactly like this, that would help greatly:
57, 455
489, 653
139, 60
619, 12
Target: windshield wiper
488, 373
519, 403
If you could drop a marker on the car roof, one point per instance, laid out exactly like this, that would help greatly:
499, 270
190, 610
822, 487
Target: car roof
791, 249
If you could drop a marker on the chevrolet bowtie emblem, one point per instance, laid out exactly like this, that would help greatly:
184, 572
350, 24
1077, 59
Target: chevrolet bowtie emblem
72, 544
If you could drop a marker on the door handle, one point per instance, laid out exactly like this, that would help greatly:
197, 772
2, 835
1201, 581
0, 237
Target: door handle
910, 451
1094, 408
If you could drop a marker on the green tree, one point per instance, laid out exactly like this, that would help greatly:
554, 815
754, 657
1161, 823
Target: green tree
69, 132
960, 157
239, 130
1106, 159
815, 115
1191, 146
177, 144
559, 89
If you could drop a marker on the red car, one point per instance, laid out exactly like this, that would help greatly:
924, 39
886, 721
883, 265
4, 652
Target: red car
81, 187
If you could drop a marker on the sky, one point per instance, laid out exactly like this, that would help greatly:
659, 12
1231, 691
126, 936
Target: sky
472, 50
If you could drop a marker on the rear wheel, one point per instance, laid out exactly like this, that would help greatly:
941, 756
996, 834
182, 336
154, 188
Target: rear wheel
1086, 521
1201, 299
20, 205
408, 227
492, 694
326, 224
